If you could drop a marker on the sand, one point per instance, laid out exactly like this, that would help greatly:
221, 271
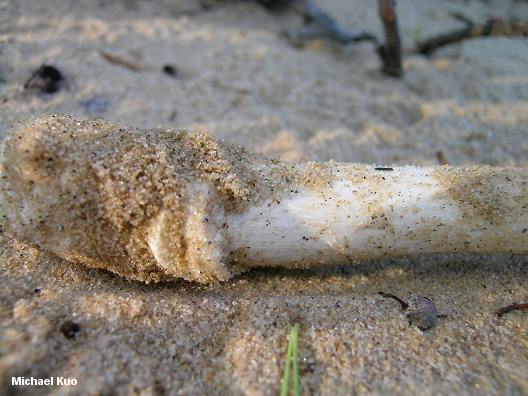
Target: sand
241, 81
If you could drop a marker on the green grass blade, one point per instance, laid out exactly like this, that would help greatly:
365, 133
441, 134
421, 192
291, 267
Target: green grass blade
291, 360
296, 383
286, 376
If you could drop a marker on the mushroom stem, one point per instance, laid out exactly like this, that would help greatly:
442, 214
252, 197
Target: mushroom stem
364, 213
157, 205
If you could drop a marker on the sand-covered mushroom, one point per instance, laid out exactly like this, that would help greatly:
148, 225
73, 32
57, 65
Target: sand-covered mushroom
162, 204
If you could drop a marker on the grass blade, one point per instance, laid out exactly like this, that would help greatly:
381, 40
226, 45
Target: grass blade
291, 360
295, 361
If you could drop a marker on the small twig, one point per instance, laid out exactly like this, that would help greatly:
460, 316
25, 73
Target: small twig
321, 25
441, 158
117, 60
404, 304
462, 18
509, 308
493, 27
390, 52
275, 5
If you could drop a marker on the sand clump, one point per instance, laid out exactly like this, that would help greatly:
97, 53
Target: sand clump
99, 194
90, 190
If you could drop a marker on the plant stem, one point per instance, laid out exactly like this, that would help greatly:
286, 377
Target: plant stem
361, 213
493, 27
390, 52
291, 360
509, 308
295, 360
403, 303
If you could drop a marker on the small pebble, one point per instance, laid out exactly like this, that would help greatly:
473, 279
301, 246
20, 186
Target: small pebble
69, 329
423, 313
170, 70
47, 79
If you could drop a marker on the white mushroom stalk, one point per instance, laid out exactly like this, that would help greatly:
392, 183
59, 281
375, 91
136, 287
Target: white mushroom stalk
162, 204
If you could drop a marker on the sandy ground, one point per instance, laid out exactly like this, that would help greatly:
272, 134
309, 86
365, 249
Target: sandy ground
241, 81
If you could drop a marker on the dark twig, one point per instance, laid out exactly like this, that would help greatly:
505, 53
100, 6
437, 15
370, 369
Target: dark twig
493, 27
509, 308
441, 158
275, 5
118, 60
404, 304
462, 18
390, 52
321, 25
